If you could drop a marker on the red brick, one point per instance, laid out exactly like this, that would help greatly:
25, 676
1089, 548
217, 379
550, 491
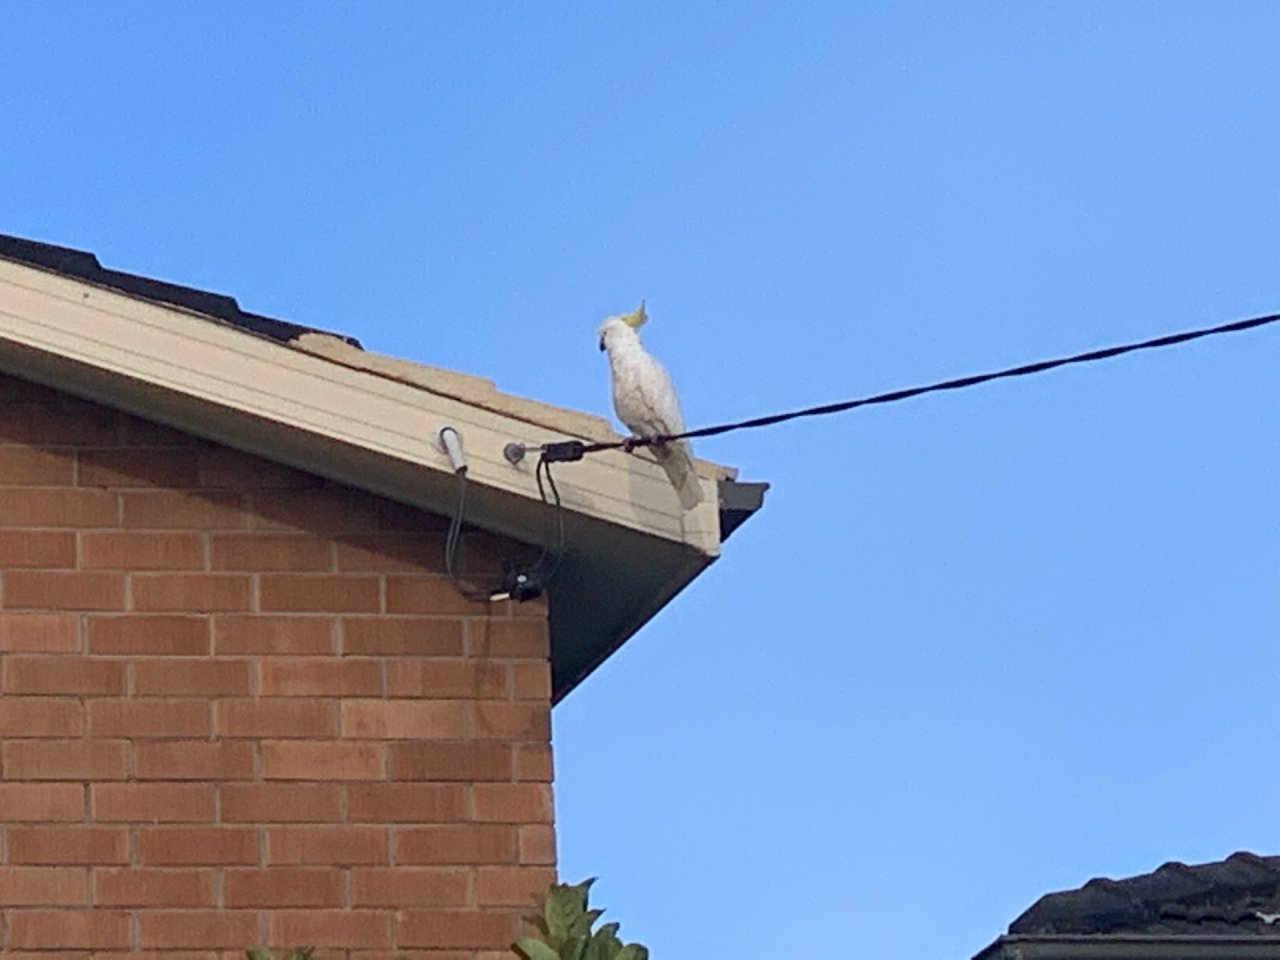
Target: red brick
403, 719
45, 549
63, 590
536, 843
531, 681
409, 887
202, 592
535, 609
464, 844
39, 633
197, 676
42, 802
321, 677
331, 928
63, 675
320, 593
322, 760
427, 594
52, 929
64, 760
223, 467
445, 679
504, 720
64, 422
22, 465
152, 802
192, 760
280, 802
42, 887
129, 550
137, 468
394, 517
40, 717
462, 929
170, 510
329, 509
512, 802
412, 636
436, 762
146, 887
282, 887
406, 803
512, 886
392, 553
526, 639
287, 717
158, 635
77, 845
138, 719
26, 507
197, 846
328, 846
533, 762
196, 928
256, 552
137, 432
281, 636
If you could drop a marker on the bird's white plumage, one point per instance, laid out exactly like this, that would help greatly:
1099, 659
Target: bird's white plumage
645, 400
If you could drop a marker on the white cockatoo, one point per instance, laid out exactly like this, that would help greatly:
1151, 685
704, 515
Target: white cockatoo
645, 400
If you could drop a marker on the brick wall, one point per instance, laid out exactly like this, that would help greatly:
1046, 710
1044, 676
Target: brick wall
240, 706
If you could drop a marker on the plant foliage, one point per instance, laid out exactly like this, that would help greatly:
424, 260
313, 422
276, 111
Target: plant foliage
564, 922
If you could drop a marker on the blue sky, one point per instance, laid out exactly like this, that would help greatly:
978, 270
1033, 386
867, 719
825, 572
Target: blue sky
977, 646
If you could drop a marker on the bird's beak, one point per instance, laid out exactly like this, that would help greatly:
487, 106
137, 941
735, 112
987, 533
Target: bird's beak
602, 344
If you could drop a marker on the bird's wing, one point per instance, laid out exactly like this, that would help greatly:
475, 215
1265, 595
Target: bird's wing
659, 399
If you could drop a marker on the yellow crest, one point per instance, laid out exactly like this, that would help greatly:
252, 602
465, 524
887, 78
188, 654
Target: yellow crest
636, 319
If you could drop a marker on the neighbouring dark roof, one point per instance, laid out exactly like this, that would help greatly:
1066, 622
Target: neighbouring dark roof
1227, 910
85, 266
1226, 896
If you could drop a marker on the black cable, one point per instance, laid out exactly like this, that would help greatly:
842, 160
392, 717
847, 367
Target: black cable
451, 542
557, 507
518, 578
575, 449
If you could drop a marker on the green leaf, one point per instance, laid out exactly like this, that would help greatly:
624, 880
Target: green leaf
601, 948
574, 949
536, 920
582, 926
562, 908
532, 949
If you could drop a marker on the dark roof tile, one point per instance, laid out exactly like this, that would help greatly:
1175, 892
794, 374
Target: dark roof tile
1224, 896
85, 266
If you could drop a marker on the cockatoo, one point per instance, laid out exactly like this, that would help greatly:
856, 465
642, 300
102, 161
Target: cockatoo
646, 401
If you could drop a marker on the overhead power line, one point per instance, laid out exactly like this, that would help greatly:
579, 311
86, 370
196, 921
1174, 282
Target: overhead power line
567, 450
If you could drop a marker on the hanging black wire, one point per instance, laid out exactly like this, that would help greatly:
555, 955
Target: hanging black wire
451, 542
556, 518
519, 581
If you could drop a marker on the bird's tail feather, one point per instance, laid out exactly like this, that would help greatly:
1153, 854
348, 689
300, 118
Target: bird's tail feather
677, 461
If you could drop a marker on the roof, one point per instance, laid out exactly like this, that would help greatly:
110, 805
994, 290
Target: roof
317, 401
1227, 908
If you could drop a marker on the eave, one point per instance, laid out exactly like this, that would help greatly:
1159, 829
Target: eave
323, 406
